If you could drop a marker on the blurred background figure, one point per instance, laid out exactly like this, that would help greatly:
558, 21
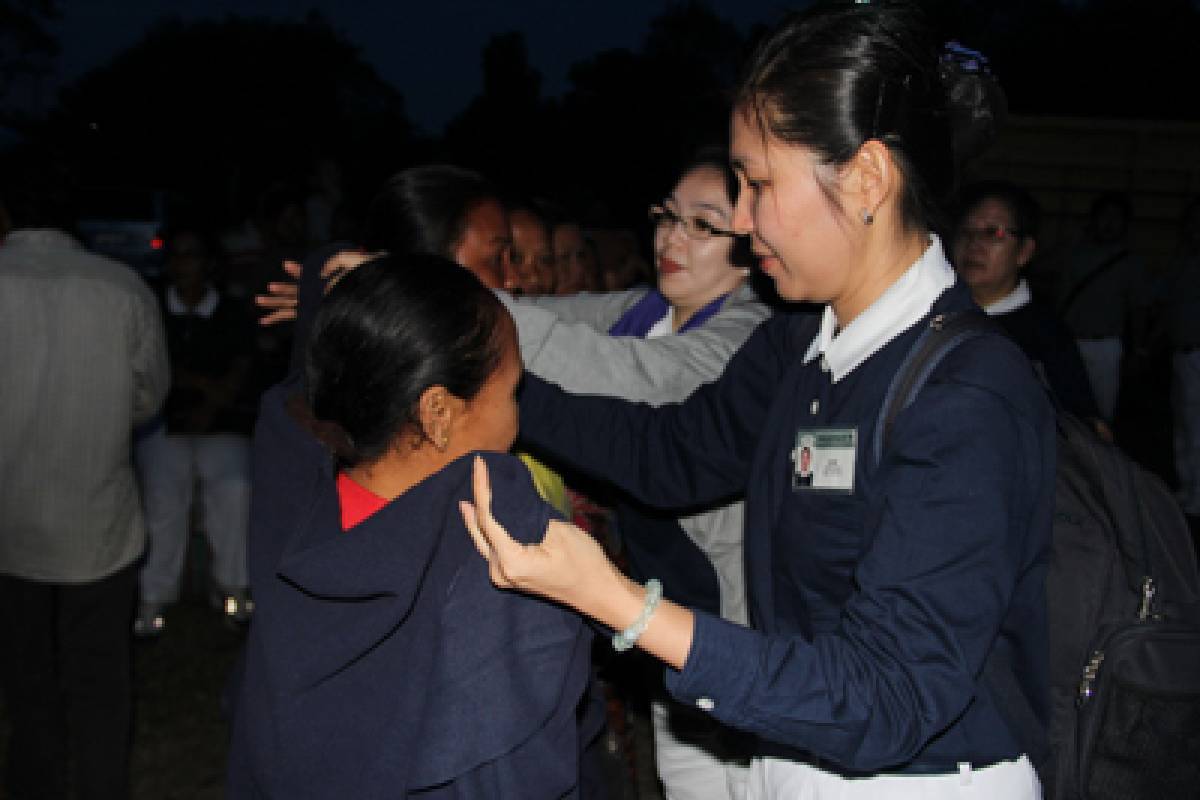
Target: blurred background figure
574, 259
324, 207
995, 239
1183, 320
619, 259
444, 210
84, 359
531, 255
1100, 296
201, 440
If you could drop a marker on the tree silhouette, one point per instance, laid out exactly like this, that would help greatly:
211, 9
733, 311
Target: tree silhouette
26, 48
617, 135
1102, 58
237, 100
504, 130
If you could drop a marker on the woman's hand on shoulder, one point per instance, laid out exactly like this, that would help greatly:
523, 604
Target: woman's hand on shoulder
567, 566
339, 264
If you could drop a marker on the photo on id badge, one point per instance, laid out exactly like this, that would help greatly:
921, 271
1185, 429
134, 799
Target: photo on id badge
823, 459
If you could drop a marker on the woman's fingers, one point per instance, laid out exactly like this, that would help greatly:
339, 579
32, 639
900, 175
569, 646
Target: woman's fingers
471, 520
488, 535
278, 295
342, 262
275, 317
481, 484
502, 546
282, 298
293, 268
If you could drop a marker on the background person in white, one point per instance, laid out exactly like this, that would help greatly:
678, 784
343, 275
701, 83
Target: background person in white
83, 356
994, 241
1102, 296
202, 438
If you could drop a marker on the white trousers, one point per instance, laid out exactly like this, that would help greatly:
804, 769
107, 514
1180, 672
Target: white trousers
777, 779
1102, 360
169, 466
1185, 403
691, 769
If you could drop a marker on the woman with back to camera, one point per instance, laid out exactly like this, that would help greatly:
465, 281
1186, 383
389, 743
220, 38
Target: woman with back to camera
381, 663
654, 346
879, 592
994, 241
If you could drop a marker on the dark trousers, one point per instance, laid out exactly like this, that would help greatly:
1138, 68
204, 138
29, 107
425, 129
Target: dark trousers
65, 653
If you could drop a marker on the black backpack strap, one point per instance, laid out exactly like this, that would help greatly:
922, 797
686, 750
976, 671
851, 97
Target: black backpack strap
943, 333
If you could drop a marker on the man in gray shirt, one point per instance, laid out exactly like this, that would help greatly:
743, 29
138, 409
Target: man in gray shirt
83, 360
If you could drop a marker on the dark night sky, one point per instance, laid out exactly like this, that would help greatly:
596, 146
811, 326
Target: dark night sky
430, 51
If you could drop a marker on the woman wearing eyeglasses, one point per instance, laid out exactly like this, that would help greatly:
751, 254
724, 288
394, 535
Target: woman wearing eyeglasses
898, 647
994, 241
658, 345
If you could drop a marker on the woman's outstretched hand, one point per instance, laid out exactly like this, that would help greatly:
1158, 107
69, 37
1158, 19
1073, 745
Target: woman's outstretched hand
282, 297
567, 566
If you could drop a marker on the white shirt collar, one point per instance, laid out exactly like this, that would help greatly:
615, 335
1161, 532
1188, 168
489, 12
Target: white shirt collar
1017, 298
205, 308
900, 307
664, 327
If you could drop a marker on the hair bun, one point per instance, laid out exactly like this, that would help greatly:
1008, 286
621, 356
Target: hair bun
327, 432
974, 100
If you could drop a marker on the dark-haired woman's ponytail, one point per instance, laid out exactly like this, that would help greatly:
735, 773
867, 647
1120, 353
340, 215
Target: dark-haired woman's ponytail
837, 75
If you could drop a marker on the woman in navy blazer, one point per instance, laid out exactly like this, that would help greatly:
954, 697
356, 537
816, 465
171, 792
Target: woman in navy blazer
886, 594
381, 662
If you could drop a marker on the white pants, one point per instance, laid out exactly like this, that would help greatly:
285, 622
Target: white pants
1102, 360
776, 779
169, 465
693, 770
1185, 403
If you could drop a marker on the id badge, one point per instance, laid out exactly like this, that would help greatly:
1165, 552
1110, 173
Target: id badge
823, 459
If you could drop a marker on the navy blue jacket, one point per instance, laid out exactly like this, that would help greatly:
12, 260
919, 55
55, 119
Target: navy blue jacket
1052, 349
382, 662
874, 611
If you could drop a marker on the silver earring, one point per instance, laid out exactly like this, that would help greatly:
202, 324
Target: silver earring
867, 217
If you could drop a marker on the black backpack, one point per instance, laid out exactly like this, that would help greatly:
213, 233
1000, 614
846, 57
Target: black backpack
1123, 603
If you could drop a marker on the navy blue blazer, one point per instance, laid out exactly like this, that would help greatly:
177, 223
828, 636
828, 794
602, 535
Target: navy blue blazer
1052, 349
874, 611
382, 662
